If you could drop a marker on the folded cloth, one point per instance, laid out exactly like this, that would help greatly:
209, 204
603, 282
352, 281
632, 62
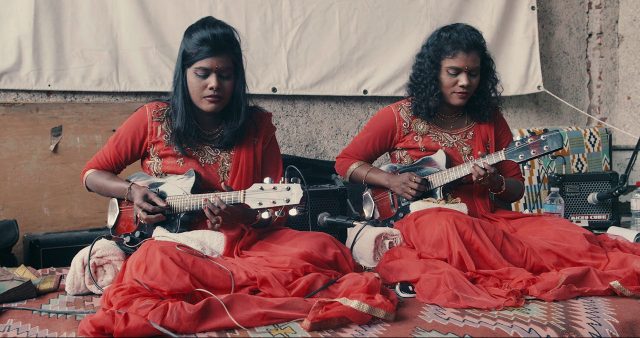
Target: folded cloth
369, 243
106, 261
208, 242
453, 204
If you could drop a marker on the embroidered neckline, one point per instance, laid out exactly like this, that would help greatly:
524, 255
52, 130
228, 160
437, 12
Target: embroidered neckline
455, 138
454, 131
206, 154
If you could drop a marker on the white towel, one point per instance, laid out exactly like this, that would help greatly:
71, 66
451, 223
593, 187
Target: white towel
624, 233
107, 258
106, 261
371, 243
208, 242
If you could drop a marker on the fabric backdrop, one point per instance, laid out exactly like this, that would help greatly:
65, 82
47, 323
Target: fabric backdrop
305, 47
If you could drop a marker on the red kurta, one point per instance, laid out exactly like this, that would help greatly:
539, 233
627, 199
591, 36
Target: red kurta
490, 258
263, 274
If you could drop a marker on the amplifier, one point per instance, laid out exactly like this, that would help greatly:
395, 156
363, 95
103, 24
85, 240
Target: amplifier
575, 188
57, 249
317, 199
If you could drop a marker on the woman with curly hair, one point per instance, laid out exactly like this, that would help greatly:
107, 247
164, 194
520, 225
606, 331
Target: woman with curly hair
473, 254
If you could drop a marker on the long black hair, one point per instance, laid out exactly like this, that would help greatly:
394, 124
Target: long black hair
424, 83
208, 37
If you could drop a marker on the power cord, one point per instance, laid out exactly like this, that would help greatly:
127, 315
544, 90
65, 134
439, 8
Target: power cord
305, 188
89, 260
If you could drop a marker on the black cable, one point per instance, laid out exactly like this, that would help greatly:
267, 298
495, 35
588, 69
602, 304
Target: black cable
89, 262
632, 161
554, 158
324, 286
305, 188
355, 238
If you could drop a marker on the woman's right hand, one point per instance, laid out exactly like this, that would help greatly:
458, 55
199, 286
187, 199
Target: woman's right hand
407, 185
148, 206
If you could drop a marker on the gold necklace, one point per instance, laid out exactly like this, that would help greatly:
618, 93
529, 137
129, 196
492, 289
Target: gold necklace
210, 135
452, 121
445, 117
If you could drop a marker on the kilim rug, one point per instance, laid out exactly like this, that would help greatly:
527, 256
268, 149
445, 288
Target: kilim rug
582, 317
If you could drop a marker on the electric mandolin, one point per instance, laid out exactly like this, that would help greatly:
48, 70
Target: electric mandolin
385, 206
176, 191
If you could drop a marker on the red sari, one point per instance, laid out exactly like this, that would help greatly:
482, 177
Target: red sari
263, 274
490, 258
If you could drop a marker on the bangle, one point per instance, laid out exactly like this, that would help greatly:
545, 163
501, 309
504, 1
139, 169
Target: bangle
503, 187
126, 194
364, 179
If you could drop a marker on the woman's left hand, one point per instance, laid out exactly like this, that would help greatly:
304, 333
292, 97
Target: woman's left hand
487, 176
219, 213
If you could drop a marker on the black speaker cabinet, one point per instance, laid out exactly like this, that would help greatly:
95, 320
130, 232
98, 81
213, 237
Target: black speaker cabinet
317, 199
316, 172
575, 188
57, 249
10, 235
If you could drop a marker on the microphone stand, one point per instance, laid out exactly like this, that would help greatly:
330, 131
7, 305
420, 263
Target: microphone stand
623, 187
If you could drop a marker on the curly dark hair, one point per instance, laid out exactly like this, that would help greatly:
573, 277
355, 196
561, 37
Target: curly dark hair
423, 88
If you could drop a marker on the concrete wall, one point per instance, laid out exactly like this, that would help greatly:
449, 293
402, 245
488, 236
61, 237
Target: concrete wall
589, 58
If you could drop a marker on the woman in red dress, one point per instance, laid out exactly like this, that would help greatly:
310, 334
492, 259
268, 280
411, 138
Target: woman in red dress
267, 273
491, 257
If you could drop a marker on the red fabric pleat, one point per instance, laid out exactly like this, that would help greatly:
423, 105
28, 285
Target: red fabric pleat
496, 260
270, 279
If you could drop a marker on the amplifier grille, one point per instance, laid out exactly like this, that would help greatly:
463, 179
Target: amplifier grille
322, 198
575, 188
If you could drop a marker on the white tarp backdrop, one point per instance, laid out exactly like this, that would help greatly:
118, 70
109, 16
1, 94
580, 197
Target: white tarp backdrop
299, 47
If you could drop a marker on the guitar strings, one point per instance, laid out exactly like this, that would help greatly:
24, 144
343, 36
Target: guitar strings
195, 198
384, 195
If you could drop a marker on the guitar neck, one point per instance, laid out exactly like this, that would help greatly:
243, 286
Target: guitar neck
443, 177
185, 203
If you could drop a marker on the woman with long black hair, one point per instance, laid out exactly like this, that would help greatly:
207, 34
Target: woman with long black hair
266, 273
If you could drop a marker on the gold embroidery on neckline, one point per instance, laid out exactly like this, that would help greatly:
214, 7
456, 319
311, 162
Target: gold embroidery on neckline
457, 138
204, 153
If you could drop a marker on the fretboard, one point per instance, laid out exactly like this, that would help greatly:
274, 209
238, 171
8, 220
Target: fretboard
186, 203
443, 177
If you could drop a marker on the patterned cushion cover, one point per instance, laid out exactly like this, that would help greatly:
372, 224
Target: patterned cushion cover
585, 150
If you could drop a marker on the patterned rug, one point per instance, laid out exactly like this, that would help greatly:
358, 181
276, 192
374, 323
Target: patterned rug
582, 317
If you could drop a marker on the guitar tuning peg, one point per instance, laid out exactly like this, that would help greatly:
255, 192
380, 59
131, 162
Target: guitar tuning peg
267, 180
266, 214
295, 180
295, 211
282, 180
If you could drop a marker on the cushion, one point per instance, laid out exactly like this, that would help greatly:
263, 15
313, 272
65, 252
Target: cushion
584, 150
